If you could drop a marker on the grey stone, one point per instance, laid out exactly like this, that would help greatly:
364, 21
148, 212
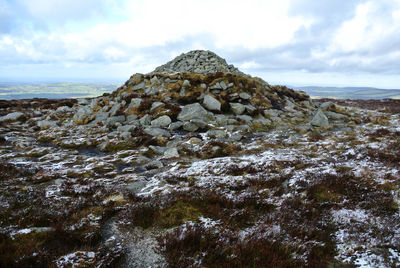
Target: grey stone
175, 125
145, 120
243, 127
245, 118
101, 117
162, 121
211, 103
153, 90
215, 86
262, 121
131, 118
186, 83
235, 137
230, 128
115, 109
12, 117
203, 86
135, 102
112, 121
82, 113
46, 124
326, 105
157, 132
198, 122
221, 120
320, 119
155, 105
232, 121
126, 128
271, 113
223, 85
335, 116
190, 127
171, 153
139, 86
237, 108
154, 165
244, 96
193, 111
250, 108
289, 105
216, 133
126, 135
158, 149
64, 109
137, 186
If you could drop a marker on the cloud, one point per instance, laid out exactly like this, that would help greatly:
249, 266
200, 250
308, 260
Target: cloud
304, 36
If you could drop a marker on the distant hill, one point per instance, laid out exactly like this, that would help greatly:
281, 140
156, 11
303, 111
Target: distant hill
364, 93
9, 91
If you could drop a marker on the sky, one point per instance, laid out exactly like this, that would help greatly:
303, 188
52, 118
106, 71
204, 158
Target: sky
291, 42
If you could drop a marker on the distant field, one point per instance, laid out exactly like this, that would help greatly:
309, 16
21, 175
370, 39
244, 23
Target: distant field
9, 91
362, 93
54, 91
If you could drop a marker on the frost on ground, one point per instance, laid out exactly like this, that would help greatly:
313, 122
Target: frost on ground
79, 197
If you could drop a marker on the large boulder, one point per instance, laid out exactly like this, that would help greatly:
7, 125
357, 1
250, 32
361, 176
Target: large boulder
320, 119
193, 111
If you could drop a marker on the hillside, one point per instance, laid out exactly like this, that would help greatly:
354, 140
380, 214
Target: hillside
197, 164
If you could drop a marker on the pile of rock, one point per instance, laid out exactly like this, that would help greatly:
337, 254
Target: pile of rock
201, 99
197, 61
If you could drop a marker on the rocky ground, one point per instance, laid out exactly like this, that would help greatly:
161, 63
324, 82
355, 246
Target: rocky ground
211, 168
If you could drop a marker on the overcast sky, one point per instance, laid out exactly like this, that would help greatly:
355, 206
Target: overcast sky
292, 42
